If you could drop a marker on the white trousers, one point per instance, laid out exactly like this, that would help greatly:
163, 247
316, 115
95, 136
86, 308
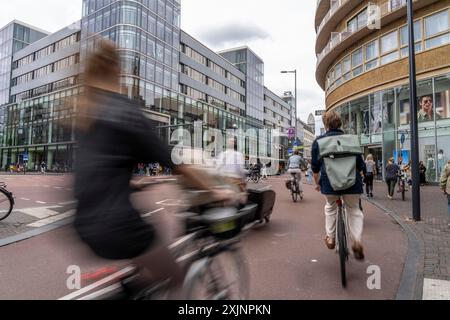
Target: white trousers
354, 215
298, 175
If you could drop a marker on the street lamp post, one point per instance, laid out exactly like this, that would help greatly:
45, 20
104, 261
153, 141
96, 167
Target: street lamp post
295, 98
414, 120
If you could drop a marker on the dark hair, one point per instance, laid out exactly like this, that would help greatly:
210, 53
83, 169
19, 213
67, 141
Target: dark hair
296, 152
425, 96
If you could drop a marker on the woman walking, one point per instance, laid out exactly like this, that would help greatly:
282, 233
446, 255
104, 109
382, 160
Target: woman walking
391, 177
370, 174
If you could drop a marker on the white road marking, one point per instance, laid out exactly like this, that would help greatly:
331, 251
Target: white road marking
150, 213
57, 187
97, 284
46, 186
41, 202
162, 202
51, 219
434, 289
172, 203
40, 212
68, 202
26, 199
68, 189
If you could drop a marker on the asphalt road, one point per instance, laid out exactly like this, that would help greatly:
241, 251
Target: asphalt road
287, 258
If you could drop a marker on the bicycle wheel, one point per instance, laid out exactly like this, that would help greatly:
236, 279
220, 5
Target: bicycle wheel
403, 191
342, 246
294, 191
6, 204
225, 277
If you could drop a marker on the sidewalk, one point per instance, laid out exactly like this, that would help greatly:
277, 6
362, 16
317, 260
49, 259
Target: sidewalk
432, 234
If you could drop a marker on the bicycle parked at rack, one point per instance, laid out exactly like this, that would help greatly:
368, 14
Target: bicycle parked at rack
6, 201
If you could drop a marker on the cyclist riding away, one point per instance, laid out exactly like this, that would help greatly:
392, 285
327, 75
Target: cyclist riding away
114, 135
351, 196
295, 165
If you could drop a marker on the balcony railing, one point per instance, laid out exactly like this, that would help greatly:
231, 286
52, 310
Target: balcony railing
335, 6
386, 8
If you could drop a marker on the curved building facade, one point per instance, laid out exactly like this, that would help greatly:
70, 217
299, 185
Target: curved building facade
362, 64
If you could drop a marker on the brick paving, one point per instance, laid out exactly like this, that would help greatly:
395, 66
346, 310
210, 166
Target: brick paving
433, 230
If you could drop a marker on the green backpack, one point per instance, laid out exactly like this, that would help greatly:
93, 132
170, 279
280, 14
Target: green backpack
339, 156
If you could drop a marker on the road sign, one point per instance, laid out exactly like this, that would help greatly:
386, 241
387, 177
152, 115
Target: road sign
25, 157
320, 113
291, 133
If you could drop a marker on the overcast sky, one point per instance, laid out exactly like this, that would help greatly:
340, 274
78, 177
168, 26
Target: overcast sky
280, 32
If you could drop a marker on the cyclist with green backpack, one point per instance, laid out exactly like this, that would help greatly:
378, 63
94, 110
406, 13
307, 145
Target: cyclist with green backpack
337, 165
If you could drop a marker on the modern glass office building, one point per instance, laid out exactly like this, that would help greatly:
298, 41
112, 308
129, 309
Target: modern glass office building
253, 67
176, 80
43, 95
364, 72
13, 37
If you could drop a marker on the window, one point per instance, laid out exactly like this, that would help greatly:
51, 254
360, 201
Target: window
127, 39
357, 22
389, 42
437, 41
129, 14
346, 64
372, 51
357, 58
436, 24
389, 58
404, 38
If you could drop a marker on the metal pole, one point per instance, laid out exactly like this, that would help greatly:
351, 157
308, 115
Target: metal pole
414, 120
295, 73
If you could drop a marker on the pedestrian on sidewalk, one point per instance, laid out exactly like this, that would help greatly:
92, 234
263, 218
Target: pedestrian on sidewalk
370, 174
43, 167
310, 174
392, 170
351, 195
422, 170
445, 186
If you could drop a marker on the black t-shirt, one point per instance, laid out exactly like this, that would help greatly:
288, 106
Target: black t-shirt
120, 137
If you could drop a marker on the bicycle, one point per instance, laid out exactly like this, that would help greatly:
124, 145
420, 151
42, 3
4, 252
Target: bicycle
341, 239
253, 176
402, 184
6, 202
209, 251
295, 187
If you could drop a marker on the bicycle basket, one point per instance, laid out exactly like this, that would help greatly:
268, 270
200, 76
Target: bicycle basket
223, 223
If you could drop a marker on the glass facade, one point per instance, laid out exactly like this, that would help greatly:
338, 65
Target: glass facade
13, 37
147, 34
382, 121
43, 129
247, 62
